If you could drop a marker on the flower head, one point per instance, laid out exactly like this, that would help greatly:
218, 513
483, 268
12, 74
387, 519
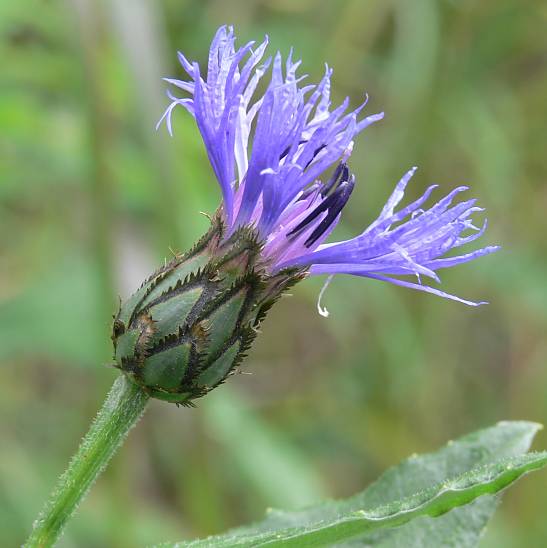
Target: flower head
270, 153
280, 158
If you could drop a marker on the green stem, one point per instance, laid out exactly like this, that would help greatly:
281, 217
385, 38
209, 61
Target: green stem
121, 410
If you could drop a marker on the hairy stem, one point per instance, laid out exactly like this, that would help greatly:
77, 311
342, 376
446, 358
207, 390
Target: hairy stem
121, 410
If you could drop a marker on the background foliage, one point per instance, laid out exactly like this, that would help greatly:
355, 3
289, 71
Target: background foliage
91, 199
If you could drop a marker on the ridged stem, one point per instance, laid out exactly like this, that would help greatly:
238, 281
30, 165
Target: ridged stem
121, 410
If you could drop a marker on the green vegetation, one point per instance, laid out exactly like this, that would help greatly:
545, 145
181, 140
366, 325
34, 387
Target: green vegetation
92, 198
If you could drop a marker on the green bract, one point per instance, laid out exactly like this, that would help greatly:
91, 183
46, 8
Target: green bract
189, 324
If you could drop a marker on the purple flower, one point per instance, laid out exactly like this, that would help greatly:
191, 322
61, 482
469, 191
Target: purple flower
269, 153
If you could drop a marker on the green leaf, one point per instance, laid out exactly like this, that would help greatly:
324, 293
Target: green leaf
402, 507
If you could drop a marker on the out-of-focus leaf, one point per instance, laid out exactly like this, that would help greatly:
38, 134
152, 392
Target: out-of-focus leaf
479, 464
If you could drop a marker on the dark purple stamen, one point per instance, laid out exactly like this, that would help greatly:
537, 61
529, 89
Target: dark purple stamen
335, 200
301, 142
315, 153
341, 174
287, 150
341, 195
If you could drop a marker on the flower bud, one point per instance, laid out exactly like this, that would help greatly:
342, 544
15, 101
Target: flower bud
188, 326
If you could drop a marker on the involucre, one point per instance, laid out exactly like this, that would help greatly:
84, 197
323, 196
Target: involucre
188, 326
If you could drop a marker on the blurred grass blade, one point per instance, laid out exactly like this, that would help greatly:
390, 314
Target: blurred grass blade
100, 131
254, 446
434, 494
139, 30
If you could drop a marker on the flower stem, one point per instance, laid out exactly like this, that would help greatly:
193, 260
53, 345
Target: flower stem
121, 410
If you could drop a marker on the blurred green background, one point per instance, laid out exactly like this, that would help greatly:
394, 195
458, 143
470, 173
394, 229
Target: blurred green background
92, 198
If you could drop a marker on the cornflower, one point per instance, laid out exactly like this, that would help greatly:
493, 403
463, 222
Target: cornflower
270, 153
